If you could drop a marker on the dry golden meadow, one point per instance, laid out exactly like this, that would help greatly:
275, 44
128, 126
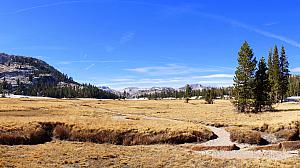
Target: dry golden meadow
94, 133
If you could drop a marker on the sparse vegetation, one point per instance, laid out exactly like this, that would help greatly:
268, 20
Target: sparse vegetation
209, 96
288, 134
123, 123
245, 136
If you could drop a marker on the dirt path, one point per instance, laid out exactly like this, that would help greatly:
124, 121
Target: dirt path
244, 153
224, 140
261, 154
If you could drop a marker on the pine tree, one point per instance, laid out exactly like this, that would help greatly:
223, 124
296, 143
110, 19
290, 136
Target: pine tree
270, 74
276, 75
284, 74
244, 79
209, 96
262, 87
188, 92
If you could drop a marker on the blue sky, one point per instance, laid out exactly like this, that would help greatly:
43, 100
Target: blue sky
122, 43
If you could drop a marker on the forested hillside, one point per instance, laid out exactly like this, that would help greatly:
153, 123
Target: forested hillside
34, 77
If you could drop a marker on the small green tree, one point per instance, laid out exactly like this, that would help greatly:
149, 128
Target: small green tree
275, 76
284, 74
188, 92
209, 96
262, 87
270, 75
244, 79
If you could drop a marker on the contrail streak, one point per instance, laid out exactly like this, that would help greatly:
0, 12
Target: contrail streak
41, 6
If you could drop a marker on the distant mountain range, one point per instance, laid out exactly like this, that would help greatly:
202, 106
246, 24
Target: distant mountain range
135, 91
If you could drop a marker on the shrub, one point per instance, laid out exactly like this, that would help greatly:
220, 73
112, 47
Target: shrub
12, 139
246, 136
61, 132
288, 135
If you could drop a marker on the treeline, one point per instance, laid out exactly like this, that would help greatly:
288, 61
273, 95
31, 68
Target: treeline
258, 87
216, 92
76, 91
294, 86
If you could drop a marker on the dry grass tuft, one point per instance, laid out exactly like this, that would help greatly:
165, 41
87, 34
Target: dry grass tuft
134, 137
245, 136
25, 137
288, 134
12, 139
61, 132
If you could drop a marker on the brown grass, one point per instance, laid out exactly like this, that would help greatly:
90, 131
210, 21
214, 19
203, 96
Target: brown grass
245, 136
21, 137
61, 132
288, 134
49, 130
75, 154
144, 122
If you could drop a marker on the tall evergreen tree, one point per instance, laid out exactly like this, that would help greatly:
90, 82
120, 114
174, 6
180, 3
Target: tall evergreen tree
188, 91
284, 74
244, 79
270, 73
262, 87
276, 75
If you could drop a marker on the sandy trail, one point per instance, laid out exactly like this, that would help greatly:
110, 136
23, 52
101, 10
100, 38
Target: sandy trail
224, 140
241, 154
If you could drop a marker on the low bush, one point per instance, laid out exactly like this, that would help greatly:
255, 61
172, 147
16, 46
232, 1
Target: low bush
246, 136
61, 132
288, 134
46, 131
12, 139
135, 138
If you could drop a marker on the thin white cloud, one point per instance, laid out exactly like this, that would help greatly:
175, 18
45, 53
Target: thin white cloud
109, 48
122, 79
169, 69
250, 28
85, 55
270, 23
40, 47
89, 61
226, 20
90, 66
214, 76
41, 6
126, 37
297, 69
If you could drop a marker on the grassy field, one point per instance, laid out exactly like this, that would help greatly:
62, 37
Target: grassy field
122, 132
